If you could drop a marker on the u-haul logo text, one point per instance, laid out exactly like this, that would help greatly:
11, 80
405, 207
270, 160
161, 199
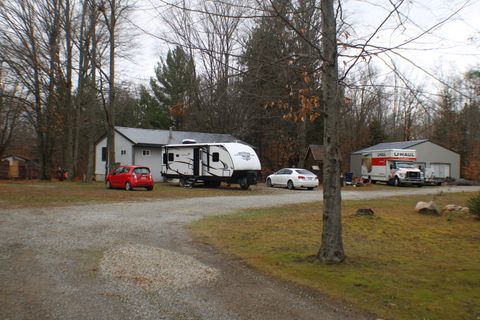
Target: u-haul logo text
404, 154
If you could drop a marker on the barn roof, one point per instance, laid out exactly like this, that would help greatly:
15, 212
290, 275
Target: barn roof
317, 150
154, 137
16, 157
392, 145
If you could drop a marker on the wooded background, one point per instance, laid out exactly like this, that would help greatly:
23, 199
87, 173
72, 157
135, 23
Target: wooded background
247, 70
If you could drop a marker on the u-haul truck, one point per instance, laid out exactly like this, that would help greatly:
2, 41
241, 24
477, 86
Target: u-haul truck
393, 166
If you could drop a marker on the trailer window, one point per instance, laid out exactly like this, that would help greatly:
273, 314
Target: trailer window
215, 157
170, 157
165, 158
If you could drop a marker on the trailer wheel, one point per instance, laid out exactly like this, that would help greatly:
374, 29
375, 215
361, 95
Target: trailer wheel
244, 183
182, 182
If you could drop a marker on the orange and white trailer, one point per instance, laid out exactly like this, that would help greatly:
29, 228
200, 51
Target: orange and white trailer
393, 166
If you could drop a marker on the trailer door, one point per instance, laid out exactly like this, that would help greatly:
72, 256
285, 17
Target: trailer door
196, 161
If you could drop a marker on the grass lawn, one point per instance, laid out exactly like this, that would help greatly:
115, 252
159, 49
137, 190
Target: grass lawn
400, 265
47, 194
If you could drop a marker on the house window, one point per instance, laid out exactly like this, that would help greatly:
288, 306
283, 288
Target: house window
215, 157
146, 152
104, 154
123, 152
170, 157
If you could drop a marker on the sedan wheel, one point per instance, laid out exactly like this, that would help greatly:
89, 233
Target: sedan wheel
290, 185
128, 186
269, 183
109, 184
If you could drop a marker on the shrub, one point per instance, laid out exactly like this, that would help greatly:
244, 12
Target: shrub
474, 205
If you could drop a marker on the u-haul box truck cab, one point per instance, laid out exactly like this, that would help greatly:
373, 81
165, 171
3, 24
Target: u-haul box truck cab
393, 166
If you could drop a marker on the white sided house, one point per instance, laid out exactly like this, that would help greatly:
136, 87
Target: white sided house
211, 163
134, 146
429, 157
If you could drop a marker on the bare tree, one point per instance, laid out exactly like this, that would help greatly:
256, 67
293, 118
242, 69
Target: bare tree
10, 106
112, 11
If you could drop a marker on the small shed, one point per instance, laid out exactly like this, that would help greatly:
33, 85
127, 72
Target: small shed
314, 159
444, 162
18, 167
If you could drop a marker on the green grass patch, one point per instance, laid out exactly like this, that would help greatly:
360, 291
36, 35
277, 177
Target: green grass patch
54, 194
400, 264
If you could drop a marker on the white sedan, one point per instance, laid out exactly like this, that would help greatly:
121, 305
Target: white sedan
293, 178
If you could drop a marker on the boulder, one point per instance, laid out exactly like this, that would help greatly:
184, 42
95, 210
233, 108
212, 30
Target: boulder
455, 208
465, 210
365, 212
427, 208
452, 207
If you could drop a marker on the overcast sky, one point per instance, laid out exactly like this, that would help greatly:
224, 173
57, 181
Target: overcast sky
450, 47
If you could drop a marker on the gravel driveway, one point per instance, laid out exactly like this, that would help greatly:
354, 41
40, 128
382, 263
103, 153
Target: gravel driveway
136, 261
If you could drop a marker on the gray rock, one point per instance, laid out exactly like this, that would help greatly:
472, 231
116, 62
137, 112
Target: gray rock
455, 208
428, 208
365, 212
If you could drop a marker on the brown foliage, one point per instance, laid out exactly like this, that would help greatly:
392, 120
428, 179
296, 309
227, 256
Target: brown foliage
472, 167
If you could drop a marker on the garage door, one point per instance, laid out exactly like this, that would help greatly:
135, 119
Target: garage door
441, 170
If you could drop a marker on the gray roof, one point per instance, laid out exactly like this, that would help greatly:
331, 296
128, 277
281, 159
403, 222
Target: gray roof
392, 145
153, 137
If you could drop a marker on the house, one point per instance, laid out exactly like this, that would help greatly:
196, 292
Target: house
18, 167
314, 159
444, 162
134, 146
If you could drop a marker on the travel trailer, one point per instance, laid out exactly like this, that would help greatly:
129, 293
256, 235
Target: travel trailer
210, 163
393, 166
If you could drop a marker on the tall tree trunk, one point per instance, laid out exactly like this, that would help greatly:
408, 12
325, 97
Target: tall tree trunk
91, 132
70, 162
111, 88
331, 249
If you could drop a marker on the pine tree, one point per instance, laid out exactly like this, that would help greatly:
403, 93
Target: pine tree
175, 83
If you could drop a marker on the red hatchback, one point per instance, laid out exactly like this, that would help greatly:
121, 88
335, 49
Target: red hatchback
130, 177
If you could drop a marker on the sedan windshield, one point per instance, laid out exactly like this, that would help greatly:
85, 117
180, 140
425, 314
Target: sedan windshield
303, 171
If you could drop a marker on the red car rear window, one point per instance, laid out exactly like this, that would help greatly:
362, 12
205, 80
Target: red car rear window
141, 170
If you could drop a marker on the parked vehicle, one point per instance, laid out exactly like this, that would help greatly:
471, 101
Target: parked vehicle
431, 178
210, 163
393, 166
130, 177
293, 178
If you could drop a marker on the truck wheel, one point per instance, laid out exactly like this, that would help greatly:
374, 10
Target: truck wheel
396, 182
